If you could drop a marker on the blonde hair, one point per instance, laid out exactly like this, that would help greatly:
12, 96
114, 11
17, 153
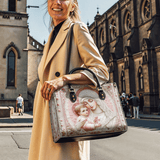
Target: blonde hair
74, 15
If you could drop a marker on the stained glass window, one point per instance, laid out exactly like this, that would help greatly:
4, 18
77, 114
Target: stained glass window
128, 21
147, 9
102, 36
12, 5
11, 69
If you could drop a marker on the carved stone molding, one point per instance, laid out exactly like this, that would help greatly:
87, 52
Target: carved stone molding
137, 55
112, 57
126, 63
111, 67
8, 14
5, 16
38, 46
18, 17
127, 51
11, 45
157, 49
145, 57
146, 44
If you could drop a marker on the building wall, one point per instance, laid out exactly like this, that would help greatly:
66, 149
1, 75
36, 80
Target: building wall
35, 50
120, 69
137, 59
158, 66
20, 6
13, 31
132, 36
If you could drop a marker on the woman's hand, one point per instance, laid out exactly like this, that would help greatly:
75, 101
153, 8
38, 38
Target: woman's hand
50, 86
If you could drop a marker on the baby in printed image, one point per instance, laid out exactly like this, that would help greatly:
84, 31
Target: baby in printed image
83, 121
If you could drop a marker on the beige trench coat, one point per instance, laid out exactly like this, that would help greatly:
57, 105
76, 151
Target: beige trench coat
84, 53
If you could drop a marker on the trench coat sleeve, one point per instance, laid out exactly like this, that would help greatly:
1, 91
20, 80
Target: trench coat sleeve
89, 54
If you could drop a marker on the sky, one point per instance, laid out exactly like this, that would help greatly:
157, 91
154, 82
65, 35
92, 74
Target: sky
39, 19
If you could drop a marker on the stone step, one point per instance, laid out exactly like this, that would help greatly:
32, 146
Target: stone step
12, 109
5, 112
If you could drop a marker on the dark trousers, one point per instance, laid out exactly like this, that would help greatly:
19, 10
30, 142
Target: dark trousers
125, 110
131, 110
141, 108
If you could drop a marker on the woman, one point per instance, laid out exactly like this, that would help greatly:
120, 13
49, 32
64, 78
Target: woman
52, 75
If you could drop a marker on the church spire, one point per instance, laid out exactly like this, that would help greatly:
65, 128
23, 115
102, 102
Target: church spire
87, 23
97, 15
98, 11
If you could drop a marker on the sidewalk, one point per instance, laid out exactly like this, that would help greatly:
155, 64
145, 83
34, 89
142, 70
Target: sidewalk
17, 121
27, 120
146, 116
149, 116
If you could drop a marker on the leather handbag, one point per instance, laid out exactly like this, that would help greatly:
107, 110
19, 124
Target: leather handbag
79, 112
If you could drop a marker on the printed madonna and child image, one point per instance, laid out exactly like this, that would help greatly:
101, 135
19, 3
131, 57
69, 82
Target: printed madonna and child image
93, 113
88, 115
83, 121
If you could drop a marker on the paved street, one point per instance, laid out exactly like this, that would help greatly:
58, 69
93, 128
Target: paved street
141, 142
14, 143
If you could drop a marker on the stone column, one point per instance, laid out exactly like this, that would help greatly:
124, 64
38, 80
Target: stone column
157, 50
146, 88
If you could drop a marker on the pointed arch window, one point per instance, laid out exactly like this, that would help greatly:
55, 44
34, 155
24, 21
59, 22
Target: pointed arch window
127, 22
102, 37
146, 9
11, 68
12, 5
140, 79
147, 6
123, 82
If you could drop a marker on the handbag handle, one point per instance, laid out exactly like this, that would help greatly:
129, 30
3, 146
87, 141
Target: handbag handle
73, 96
69, 49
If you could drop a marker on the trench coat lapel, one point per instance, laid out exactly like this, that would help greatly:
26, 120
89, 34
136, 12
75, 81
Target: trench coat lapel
49, 53
58, 41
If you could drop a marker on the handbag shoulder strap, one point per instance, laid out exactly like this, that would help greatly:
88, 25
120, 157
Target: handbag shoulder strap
69, 50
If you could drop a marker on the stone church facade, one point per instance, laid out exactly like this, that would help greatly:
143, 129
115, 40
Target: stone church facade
19, 55
128, 37
35, 52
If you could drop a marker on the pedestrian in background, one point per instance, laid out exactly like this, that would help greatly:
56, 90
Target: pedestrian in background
141, 102
124, 105
120, 97
129, 99
135, 102
19, 104
123, 94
